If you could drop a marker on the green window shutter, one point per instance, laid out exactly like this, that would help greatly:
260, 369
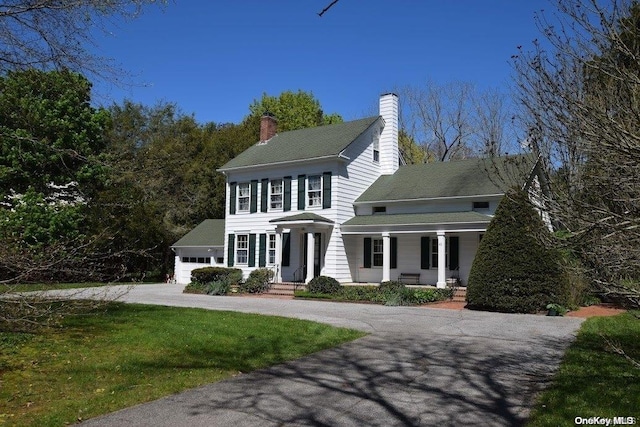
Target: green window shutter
326, 190
232, 197
262, 251
231, 248
252, 250
394, 252
287, 193
367, 252
425, 256
264, 196
454, 252
301, 191
286, 249
254, 197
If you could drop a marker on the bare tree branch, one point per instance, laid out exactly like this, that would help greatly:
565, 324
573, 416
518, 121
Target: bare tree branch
322, 12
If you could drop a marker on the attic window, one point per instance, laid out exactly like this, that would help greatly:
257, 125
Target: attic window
379, 210
376, 149
480, 205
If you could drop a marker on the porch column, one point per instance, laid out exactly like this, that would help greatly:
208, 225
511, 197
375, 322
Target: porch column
278, 277
310, 256
442, 260
386, 257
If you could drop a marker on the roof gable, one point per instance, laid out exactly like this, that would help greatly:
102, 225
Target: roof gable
209, 232
461, 178
302, 144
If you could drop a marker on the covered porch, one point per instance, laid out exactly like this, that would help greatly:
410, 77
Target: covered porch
433, 248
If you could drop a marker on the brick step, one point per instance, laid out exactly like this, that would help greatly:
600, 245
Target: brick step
459, 295
284, 288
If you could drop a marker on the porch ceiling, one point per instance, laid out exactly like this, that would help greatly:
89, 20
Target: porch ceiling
429, 219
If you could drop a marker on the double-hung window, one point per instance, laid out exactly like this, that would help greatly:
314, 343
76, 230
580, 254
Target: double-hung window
377, 252
242, 249
244, 197
276, 194
314, 191
434, 252
272, 249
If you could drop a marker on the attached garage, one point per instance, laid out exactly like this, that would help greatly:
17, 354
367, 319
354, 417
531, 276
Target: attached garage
201, 247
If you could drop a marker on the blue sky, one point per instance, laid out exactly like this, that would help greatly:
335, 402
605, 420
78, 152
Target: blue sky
213, 58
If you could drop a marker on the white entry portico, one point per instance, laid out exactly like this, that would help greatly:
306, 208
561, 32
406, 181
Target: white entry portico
313, 232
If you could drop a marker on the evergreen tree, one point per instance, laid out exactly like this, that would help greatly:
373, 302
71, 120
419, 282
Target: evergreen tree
513, 271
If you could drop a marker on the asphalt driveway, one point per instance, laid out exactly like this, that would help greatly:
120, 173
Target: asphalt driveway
418, 366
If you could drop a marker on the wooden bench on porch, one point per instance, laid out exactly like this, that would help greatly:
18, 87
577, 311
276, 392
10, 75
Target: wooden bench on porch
409, 278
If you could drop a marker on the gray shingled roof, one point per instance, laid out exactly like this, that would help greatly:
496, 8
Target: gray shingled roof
449, 179
302, 144
418, 219
209, 232
305, 216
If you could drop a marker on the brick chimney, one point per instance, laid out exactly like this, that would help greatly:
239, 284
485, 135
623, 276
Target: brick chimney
268, 127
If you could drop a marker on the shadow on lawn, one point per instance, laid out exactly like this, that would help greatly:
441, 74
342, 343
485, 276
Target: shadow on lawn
392, 380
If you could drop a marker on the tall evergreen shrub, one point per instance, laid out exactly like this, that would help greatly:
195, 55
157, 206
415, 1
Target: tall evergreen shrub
513, 270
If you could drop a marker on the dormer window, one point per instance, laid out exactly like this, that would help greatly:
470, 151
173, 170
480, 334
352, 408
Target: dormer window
244, 197
379, 210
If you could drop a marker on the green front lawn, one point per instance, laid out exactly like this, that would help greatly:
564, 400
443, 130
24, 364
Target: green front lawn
128, 354
594, 380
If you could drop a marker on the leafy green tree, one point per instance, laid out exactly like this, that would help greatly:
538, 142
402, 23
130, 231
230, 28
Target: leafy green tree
513, 270
49, 133
410, 151
293, 110
50, 140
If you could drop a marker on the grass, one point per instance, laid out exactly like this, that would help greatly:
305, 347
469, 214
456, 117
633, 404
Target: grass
128, 354
594, 380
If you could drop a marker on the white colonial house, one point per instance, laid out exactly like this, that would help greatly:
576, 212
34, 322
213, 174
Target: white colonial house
336, 201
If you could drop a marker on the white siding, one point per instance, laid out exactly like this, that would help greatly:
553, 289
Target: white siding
409, 254
349, 178
182, 270
432, 206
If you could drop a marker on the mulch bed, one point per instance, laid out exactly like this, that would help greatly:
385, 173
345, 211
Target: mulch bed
583, 312
596, 310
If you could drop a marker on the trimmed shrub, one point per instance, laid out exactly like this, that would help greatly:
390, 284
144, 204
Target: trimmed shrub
513, 271
195, 288
216, 274
258, 281
323, 285
391, 286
